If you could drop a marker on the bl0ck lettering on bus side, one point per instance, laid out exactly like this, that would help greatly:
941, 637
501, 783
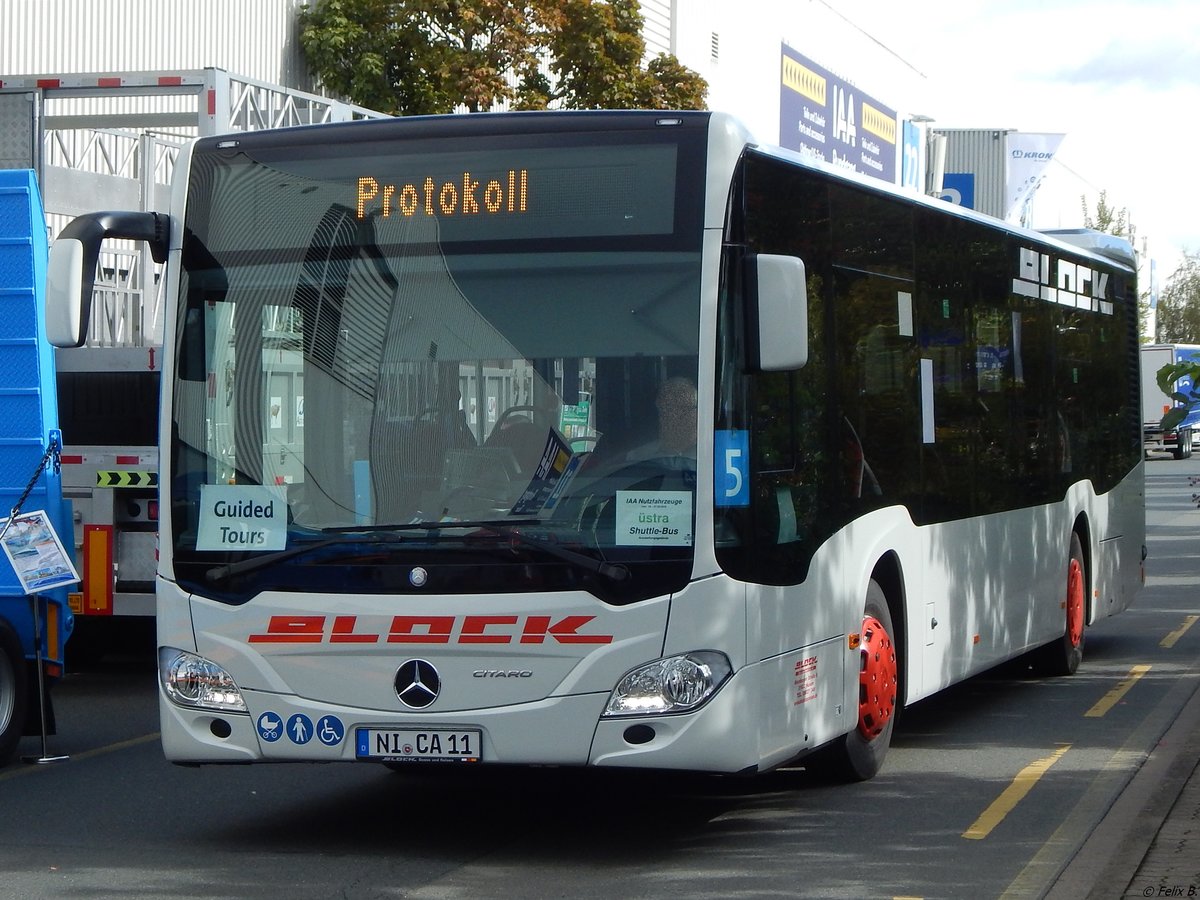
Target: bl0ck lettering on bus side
429, 630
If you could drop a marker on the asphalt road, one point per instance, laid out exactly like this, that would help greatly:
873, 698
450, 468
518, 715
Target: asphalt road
989, 790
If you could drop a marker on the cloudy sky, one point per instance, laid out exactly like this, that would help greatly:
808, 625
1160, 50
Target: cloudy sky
1120, 79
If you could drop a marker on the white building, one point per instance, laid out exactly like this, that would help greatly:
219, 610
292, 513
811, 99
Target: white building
734, 46
253, 38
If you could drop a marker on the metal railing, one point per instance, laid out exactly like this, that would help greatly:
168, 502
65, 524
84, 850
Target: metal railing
134, 166
254, 105
121, 317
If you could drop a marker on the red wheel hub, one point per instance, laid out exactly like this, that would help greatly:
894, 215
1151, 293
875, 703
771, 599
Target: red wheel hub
877, 679
1075, 603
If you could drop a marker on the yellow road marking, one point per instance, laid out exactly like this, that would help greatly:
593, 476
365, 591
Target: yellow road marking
1109, 700
1169, 641
86, 754
1012, 795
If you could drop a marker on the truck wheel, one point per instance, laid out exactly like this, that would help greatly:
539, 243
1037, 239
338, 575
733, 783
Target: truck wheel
1063, 656
14, 693
859, 755
1183, 444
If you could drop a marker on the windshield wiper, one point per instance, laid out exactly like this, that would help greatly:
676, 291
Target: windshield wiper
220, 573
378, 534
438, 525
507, 528
614, 571
373, 534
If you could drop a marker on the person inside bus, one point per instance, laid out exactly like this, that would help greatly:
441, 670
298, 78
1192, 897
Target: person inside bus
675, 445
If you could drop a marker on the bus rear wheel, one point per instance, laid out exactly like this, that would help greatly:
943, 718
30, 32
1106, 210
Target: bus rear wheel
14, 693
859, 755
1063, 656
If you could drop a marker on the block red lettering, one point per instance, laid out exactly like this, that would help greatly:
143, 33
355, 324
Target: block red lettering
565, 631
292, 630
473, 630
436, 630
343, 632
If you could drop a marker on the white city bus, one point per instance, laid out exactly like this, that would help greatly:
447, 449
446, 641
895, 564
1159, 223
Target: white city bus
612, 439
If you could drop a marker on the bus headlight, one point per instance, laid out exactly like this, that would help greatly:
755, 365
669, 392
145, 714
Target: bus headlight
194, 681
672, 685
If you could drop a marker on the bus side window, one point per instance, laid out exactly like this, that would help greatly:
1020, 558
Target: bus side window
877, 389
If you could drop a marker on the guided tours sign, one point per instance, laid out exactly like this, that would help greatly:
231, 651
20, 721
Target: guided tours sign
242, 517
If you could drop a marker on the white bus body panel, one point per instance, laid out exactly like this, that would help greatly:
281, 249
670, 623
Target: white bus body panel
591, 657
765, 716
959, 618
547, 716
795, 683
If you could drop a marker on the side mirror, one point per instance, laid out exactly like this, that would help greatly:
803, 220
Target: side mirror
68, 304
71, 273
777, 313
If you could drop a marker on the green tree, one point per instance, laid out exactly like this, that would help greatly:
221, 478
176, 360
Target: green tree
1108, 219
1118, 222
594, 54
1178, 319
420, 56
413, 57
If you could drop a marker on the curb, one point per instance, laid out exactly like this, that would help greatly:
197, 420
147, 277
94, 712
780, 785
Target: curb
1108, 861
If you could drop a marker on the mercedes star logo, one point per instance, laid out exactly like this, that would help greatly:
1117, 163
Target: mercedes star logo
417, 683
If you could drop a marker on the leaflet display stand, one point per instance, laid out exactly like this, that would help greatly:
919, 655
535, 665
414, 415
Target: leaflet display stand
36, 601
41, 562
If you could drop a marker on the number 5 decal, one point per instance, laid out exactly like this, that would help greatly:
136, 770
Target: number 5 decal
731, 476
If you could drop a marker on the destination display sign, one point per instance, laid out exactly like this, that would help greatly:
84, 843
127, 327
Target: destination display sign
410, 192
521, 194
469, 197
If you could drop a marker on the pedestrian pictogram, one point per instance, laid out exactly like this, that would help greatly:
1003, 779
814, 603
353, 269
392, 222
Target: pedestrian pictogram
300, 729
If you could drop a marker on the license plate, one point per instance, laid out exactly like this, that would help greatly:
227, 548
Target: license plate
418, 745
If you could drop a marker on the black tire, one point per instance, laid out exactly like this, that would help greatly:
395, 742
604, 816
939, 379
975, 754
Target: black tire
1063, 655
14, 693
859, 754
1183, 444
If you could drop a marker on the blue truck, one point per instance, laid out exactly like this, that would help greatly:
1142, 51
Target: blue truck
1155, 404
33, 629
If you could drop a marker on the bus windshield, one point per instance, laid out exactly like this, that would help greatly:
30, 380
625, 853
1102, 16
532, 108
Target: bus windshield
472, 358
